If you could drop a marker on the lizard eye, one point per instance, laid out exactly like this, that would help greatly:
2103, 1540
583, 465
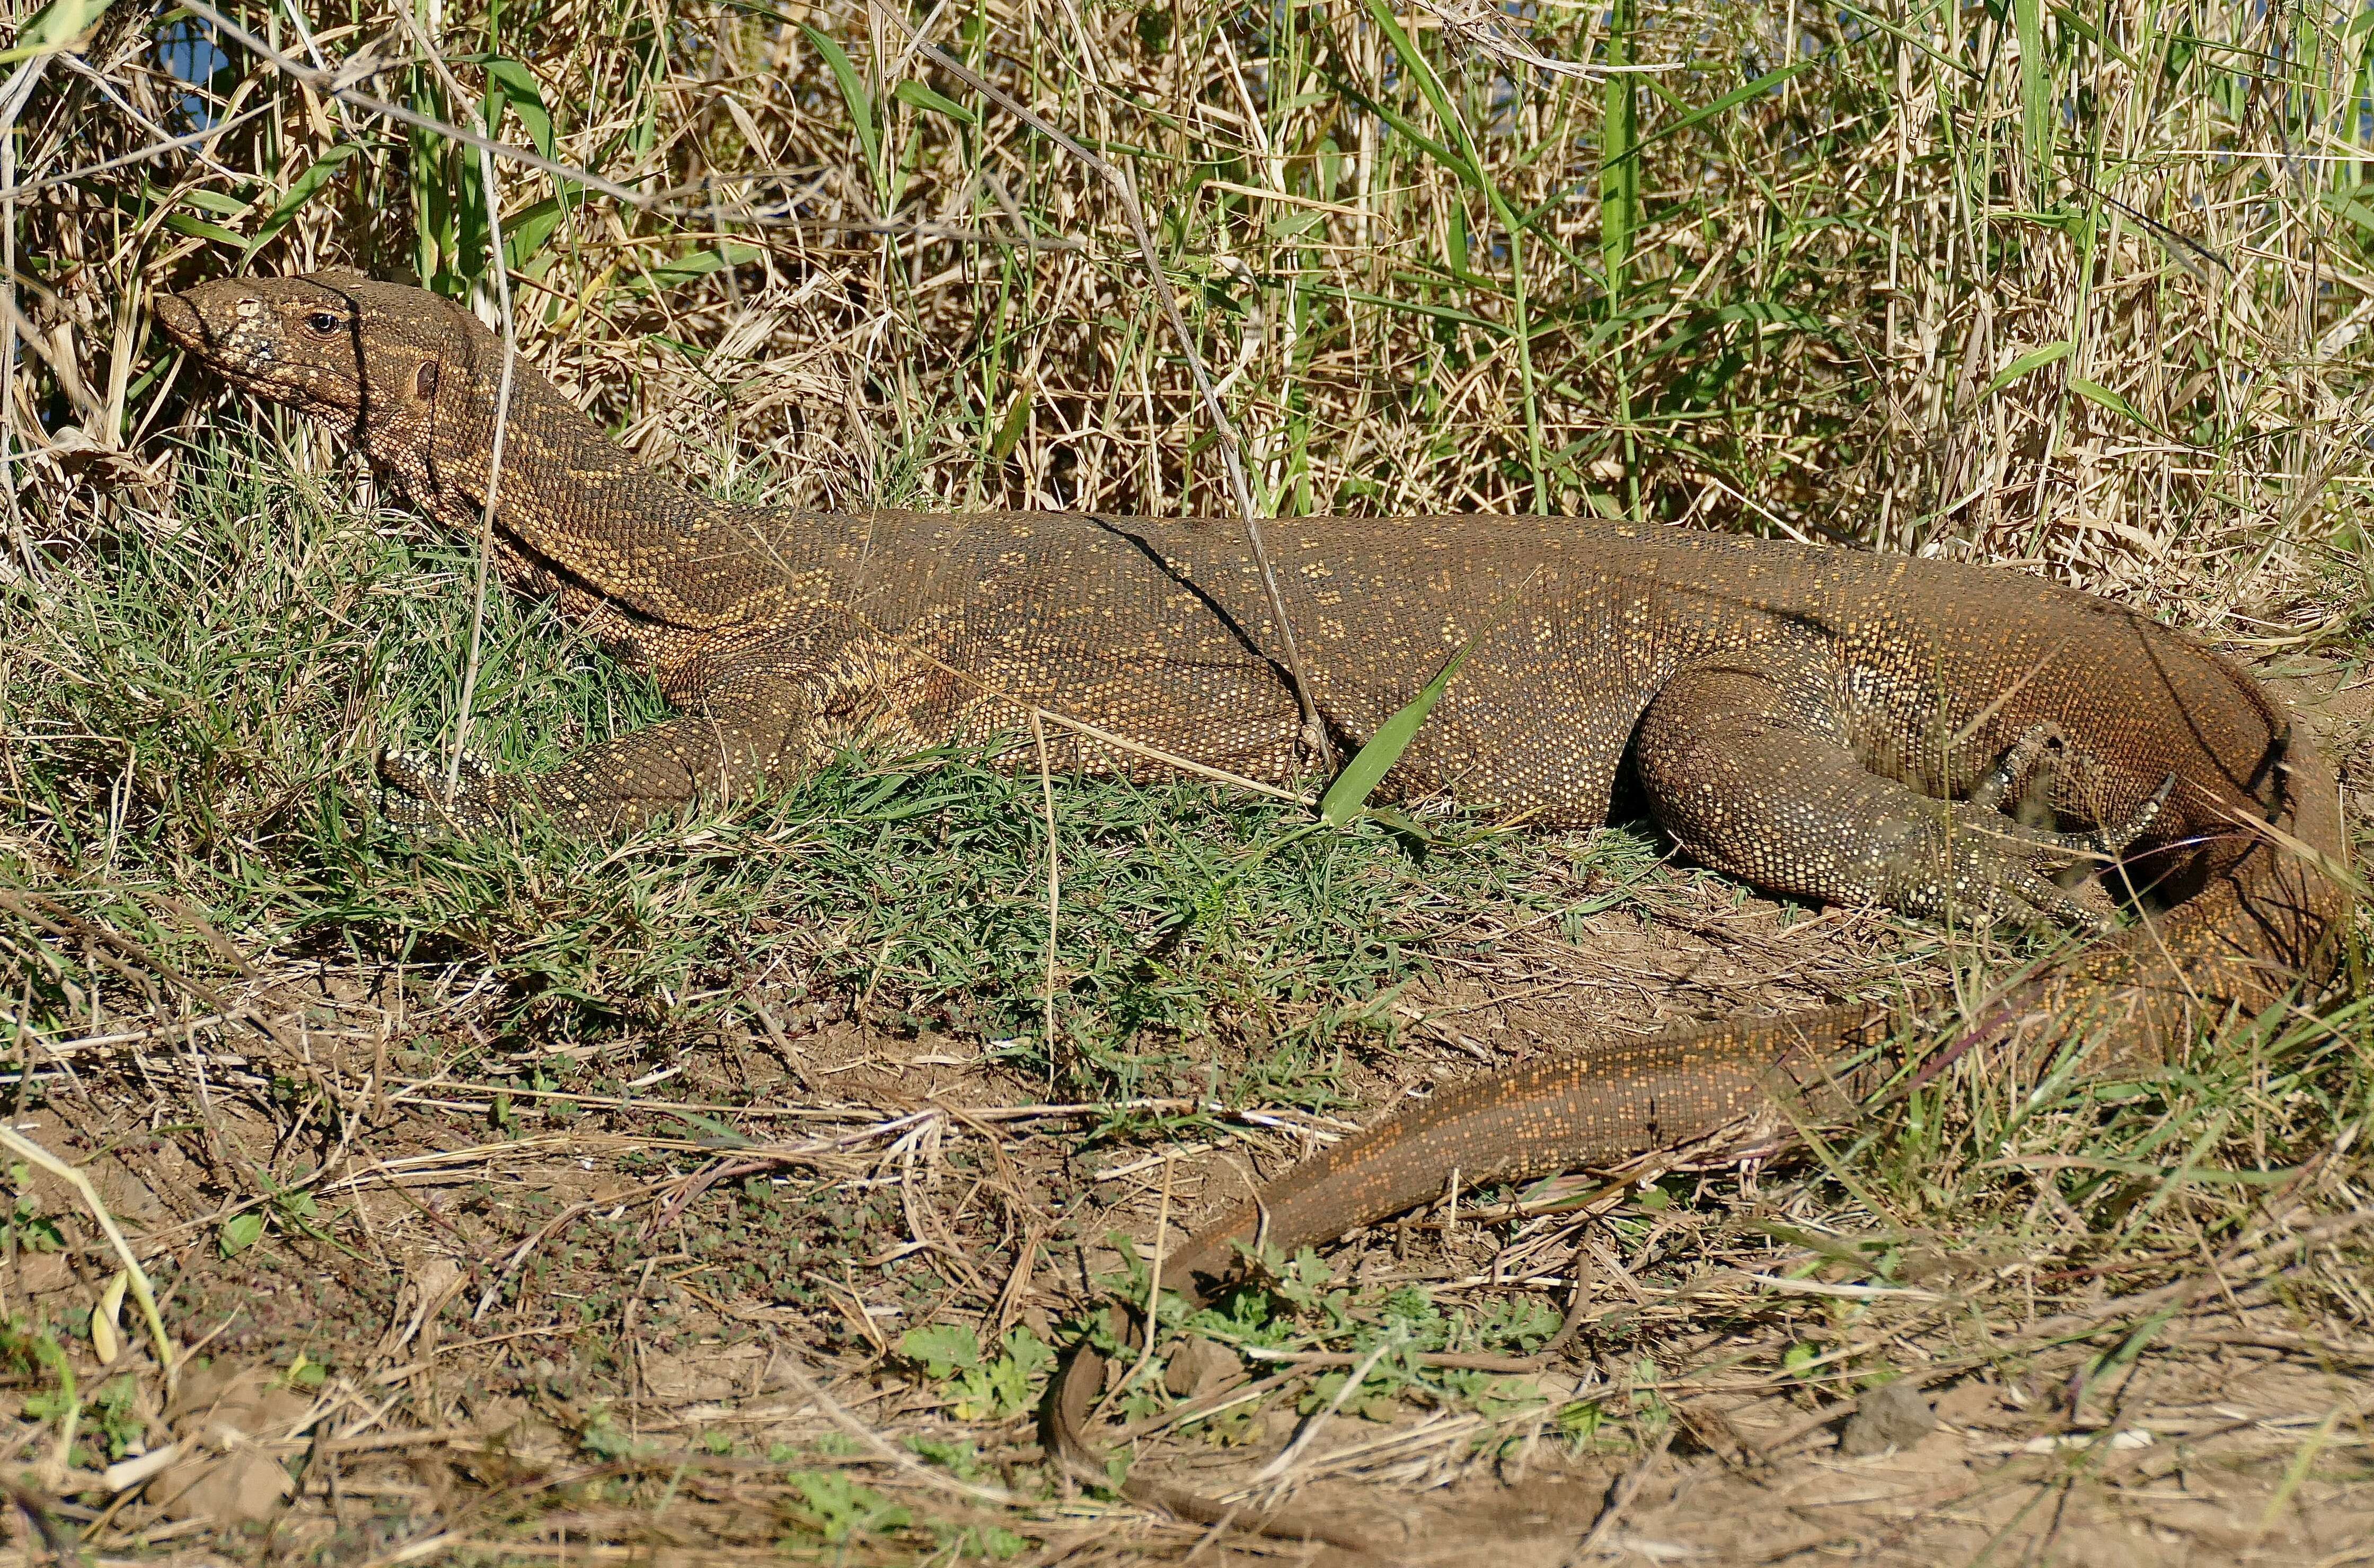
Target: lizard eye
323, 323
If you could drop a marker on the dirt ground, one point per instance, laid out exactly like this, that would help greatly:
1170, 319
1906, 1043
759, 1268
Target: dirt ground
500, 1323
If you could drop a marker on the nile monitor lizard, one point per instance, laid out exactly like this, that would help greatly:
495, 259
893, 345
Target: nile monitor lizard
1837, 725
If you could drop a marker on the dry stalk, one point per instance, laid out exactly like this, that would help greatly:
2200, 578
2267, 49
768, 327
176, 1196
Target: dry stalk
211, 134
1596, 1539
19, 87
1153, 1283
500, 269
1231, 444
33, 1154
1292, 1454
1047, 809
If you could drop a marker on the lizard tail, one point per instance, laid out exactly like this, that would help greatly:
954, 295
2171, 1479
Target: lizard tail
2264, 920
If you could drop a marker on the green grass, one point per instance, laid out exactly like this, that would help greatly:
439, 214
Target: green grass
203, 722
2085, 291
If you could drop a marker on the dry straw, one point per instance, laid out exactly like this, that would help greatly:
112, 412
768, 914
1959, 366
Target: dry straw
2085, 296
2082, 291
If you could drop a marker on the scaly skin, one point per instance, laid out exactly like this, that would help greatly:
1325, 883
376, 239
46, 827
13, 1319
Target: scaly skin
2262, 928
1841, 725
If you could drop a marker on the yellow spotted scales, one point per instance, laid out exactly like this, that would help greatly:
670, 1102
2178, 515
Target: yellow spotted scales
1839, 725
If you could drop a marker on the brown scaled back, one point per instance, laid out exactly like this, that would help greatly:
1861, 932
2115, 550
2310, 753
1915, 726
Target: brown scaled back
1844, 726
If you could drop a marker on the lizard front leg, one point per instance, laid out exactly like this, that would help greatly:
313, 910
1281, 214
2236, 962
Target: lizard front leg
747, 729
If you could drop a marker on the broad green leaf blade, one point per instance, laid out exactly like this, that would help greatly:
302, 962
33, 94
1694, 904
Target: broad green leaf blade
684, 269
1619, 164
2346, 205
241, 1232
1462, 161
852, 93
920, 97
708, 1131
54, 27
300, 190
1768, 313
1404, 127
1736, 96
510, 82
1010, 430
2093, 391
1460, 158
205, 199
2035, 359
2035, 91
1419, 307
526, 233
1350, 791
182, 223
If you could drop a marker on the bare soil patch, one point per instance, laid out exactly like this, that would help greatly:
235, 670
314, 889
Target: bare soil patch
670, 1322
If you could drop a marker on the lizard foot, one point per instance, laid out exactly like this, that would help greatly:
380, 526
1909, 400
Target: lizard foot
2114, 840
2020, 783
1997, 870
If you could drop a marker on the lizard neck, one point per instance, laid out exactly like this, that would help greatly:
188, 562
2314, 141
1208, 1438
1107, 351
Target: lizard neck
574, 497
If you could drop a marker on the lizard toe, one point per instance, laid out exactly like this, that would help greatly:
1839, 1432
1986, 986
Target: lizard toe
2114, 839
2044, 901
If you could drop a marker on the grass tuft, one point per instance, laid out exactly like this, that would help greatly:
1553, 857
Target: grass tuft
724, 1190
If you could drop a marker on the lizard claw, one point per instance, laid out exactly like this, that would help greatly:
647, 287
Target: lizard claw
2113, 840
2013, 874
2023, 891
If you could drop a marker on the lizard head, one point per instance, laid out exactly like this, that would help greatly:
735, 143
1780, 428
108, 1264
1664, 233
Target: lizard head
367, 356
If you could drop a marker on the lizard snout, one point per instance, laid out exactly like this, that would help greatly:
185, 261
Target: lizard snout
180, 319
227, 326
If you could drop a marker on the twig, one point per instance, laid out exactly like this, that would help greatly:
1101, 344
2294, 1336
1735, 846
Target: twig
98, 79
1278, 1466
1231, 444
139, 154
519, 1254
914, 1468
1152, 1282
1619, 1498
501, 269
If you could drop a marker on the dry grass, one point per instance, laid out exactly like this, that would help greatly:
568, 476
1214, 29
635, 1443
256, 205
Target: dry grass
718, 1192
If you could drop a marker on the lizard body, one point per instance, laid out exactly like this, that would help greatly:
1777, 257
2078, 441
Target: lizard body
1837, 725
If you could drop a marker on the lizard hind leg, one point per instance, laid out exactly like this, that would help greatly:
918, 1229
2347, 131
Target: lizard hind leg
1753, 781
2024, 781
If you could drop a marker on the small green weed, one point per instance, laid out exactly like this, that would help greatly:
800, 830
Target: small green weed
603, 1437
26, 1227
840, 1509
986, 1386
